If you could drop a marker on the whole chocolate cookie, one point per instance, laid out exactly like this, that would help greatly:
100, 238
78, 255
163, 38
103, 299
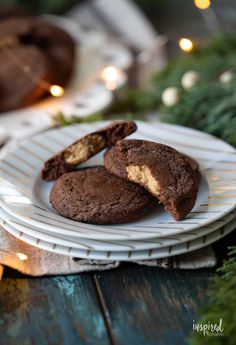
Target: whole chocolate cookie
86, 147
162, 170
96, 196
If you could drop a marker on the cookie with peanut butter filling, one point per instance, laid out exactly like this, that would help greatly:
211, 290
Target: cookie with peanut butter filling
163, 171
86, 147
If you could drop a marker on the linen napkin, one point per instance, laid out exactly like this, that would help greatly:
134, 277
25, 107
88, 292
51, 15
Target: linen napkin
33, 261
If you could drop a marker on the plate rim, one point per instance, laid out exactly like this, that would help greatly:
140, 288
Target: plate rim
33, 231
90, 254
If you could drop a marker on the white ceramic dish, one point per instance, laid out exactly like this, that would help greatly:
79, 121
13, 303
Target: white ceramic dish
114, 246
158, 253
24, 195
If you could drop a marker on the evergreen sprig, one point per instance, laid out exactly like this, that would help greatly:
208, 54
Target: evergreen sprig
221, 305
209, 106
61, 120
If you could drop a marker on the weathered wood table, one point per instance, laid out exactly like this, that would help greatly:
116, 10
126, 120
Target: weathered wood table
129, 305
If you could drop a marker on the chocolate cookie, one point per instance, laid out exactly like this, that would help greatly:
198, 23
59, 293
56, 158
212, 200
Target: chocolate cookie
162, 170
95, 196
55, 54
86, 147
18, 89
58, 46
195, 166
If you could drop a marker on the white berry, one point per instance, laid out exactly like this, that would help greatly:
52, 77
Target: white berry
189, 79
226, 77
170, 96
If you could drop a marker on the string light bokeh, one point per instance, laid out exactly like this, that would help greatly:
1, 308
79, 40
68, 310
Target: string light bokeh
111, 76
56, 91
186, 44
202, 4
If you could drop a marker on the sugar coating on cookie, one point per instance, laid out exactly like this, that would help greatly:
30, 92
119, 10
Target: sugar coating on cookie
95, 196
163, 171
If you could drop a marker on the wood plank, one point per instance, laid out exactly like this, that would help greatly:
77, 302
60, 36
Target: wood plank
150, 306
62, 310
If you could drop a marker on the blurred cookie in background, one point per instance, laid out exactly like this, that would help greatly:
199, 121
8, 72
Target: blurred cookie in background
33, 55
17, 88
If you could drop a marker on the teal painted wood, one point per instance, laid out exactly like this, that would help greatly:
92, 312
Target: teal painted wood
151, 306
61, 310
141, 305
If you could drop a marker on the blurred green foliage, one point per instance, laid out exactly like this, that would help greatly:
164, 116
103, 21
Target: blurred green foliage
60, 119
221, 305
41, 6
60, 6
209, 106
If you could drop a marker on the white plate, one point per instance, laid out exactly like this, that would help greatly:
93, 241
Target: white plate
158, 253
28, 199
85, 244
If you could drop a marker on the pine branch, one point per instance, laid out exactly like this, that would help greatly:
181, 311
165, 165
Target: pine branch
221, 305
210, 106
61, 120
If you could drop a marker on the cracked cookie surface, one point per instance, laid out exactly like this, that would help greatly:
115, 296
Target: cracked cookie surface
95, 196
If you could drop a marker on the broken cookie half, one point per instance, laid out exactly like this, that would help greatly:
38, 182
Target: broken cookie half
164, 172
86, 147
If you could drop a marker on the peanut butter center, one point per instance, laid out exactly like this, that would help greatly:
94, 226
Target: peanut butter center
83, 149
142, 175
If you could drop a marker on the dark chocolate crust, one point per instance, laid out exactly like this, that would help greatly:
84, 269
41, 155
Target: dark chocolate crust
172, 171
95, 196
195, 166
116, 131
105, 137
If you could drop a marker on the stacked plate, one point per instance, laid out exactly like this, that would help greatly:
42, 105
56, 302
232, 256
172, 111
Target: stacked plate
26, 212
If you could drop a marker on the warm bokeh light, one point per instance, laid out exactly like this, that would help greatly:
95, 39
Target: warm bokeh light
202, 4
22, 256
186, 44
56, 91
110, 75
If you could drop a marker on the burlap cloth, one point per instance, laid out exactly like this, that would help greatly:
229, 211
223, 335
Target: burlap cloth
41, 262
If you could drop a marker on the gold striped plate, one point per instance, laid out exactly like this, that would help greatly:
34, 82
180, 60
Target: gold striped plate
90, 244
24, 195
